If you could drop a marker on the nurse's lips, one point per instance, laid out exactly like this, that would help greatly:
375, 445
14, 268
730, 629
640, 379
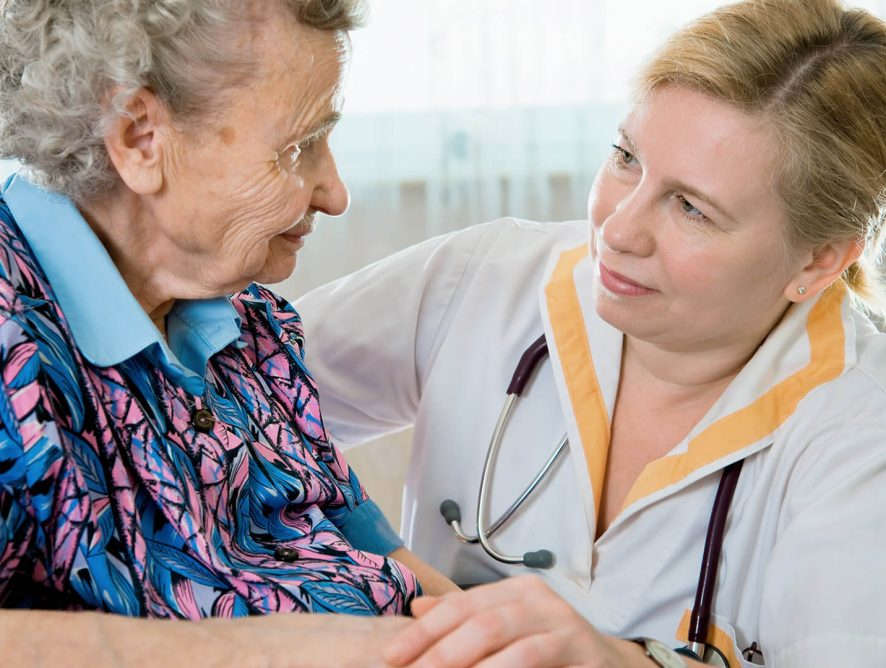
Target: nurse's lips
621, 285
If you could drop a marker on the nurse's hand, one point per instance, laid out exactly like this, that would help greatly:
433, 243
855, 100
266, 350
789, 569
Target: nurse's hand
519, 621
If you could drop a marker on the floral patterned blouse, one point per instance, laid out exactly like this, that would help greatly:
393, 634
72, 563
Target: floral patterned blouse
143, 489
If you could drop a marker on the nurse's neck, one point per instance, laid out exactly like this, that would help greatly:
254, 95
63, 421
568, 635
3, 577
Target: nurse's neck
686, 374
677, 376
708, 363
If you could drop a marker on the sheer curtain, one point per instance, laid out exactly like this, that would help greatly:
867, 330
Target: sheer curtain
460, 111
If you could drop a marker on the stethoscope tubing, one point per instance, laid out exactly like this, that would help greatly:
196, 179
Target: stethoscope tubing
700, 616
529, 489
535, 559
707, 578
491, 452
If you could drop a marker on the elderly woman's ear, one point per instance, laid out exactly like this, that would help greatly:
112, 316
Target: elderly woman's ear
136, 142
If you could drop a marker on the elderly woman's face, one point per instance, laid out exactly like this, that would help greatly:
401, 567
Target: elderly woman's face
688, 232
240, 194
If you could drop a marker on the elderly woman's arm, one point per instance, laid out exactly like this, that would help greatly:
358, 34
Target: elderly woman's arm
44, 638
433, 582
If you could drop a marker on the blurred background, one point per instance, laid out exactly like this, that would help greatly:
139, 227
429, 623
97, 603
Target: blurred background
461, 111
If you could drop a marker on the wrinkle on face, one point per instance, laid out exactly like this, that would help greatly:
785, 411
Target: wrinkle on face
227, 200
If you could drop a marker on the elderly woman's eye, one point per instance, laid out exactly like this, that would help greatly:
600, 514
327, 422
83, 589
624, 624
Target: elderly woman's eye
286, 158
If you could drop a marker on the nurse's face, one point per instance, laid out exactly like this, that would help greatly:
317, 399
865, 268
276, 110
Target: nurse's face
688, 233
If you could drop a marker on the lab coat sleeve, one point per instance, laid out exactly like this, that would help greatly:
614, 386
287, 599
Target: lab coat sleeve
823, 599
372, 336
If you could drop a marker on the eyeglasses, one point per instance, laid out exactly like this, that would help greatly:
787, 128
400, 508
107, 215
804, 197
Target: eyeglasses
286, 158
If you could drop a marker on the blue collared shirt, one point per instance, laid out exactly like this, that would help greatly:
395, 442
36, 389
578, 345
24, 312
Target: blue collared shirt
111, 329
108, 323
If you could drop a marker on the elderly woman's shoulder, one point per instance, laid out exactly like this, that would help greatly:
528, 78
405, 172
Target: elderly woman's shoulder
266, 316
21, 280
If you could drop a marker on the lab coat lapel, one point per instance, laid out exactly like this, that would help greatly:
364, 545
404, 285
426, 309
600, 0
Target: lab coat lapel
586, 375
809, 347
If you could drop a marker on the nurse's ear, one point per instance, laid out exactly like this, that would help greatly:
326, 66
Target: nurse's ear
136, 141
825, 265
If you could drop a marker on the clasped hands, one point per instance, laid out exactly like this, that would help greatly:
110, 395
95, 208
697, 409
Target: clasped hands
518, 621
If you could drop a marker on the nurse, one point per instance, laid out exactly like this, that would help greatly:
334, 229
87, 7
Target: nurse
714, 311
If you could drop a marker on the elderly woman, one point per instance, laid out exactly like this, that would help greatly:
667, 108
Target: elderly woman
709, 321
163, 452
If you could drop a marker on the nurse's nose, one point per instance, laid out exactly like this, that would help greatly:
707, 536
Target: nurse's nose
630, 226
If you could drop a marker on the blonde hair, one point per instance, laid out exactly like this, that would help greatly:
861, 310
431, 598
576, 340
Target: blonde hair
59, 59
817, 72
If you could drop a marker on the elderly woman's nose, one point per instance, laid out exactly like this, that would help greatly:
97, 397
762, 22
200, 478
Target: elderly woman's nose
330, 195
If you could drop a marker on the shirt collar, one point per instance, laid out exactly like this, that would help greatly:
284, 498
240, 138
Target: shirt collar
108, 323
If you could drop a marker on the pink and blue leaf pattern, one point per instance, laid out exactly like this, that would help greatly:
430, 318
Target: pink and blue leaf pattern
110, 499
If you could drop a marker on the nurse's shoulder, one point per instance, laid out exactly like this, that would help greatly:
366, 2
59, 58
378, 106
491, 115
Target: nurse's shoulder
504, 240
419, 281
834, 439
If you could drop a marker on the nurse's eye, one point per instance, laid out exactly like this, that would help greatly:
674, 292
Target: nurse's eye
690, 211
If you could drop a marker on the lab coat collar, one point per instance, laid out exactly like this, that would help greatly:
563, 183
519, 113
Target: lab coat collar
811, 345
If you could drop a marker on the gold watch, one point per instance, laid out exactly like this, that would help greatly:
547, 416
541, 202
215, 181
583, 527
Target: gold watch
663, 655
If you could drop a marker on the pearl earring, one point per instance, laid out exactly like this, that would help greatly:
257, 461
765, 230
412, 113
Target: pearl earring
801, 290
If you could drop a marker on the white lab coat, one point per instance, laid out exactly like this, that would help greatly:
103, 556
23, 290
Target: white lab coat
431, 336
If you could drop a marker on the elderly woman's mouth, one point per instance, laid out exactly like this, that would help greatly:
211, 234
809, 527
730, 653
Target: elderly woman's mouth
298, 232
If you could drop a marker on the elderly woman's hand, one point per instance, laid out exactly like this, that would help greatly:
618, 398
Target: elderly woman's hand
516, 622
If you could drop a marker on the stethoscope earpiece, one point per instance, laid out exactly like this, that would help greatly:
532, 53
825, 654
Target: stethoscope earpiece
450, 511
539, 559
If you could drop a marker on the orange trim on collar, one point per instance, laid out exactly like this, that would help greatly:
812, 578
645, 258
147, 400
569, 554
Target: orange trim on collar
754, 422
571, 340
716, 637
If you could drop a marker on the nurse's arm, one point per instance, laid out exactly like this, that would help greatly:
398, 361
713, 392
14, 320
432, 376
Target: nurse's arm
381, 327
38, 638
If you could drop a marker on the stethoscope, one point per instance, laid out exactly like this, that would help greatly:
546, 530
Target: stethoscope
707, 577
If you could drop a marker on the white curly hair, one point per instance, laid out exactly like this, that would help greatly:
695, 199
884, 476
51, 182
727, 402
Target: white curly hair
61, 59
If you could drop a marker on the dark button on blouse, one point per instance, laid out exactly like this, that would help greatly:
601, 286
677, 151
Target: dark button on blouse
283, 553
203, 420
